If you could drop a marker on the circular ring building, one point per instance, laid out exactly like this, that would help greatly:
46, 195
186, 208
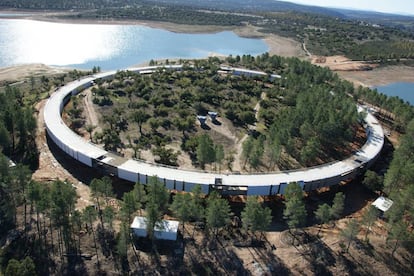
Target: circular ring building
184, 180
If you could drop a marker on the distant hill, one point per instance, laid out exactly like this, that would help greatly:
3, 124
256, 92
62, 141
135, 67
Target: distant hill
250, 5
234, 5
388, 19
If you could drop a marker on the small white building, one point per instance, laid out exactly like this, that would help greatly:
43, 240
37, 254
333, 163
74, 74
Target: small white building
213, 115
165, 230
383, 204
202, 119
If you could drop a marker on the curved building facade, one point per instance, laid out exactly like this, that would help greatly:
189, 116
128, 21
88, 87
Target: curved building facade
183, 180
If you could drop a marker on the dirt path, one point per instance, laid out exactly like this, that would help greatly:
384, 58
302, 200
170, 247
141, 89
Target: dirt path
306, 50
50, 169
91, 116
237, 164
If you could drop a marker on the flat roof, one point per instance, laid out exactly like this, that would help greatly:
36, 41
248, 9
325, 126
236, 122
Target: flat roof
383, 204
54, 123
168, 226
187, 176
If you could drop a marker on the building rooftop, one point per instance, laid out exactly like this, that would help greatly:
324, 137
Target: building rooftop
383, 204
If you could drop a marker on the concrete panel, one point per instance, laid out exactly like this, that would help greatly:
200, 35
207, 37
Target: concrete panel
84, 159
142, 178
178, 185
169, 184
258, 190
127, 175
189, 186
282, 188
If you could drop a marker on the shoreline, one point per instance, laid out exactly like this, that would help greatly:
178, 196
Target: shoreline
379, 76
277, 45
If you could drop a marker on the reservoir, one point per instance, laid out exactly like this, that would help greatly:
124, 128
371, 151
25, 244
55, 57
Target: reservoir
404, 90
110, 46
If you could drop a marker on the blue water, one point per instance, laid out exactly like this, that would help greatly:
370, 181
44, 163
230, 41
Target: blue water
110, 46
403, 90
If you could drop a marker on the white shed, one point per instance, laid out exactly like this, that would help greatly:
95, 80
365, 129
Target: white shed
165, 230
383, 203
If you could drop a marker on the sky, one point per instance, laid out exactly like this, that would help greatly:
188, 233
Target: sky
405, 7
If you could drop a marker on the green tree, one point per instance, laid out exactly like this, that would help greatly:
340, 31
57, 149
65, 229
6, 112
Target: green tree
257, 153
205, 150
111, 140
255, 217
197, 203
24, 268
139, 117
295, 212
157, 201
273, 152
310, 151
101, 188
350, 232
20, 179
182, 207
217, 213
108, 216
373, 181
89, 128
140, 195
154, 124
219, 155
122, 245
4, 139
183, 124
369, 217
338, 205
76, 223
129, 206
89, 216
323, 214
397, 233
63, 198
247, 149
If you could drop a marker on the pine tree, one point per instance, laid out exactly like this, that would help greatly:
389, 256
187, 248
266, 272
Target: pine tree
295, 212
350, 232
255, 217
218, 212
338, 205
157, 201
182, 207
205, 150
397, 233
323, 214
369, 217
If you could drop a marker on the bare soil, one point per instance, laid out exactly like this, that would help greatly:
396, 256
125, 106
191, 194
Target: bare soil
380, 75
50, 167
276, 256
22, 72
341, 63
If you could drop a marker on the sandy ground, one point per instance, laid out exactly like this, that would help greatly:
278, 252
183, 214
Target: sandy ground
255, 261
19, 72
341, 63
50, 169
380, 76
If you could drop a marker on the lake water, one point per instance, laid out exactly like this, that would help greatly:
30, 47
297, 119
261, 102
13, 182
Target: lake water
404, 90
109, 46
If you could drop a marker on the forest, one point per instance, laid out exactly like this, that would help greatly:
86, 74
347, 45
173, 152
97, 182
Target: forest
40, 223
324, 31
44, 232
304, 118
